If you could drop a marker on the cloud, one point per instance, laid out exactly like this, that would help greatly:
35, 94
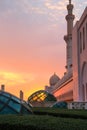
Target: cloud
28, 7
55, 6
45, 7
85, 3
11, 78
79, 7
51, 10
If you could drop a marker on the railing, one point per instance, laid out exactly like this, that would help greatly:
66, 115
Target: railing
77, 105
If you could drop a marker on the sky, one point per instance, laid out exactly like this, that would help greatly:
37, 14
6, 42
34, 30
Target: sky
31, 42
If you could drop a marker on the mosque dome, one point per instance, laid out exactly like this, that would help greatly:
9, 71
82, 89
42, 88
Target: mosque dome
53, 79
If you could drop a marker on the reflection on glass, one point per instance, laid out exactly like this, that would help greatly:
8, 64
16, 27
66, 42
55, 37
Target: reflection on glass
10, 104
40, 98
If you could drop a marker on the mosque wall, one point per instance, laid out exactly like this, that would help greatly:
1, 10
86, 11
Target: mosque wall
82, 30
79, 48
65, 91
75, 62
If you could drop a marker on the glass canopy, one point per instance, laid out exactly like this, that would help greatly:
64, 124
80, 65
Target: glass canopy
10, 104
41, 98
61, 104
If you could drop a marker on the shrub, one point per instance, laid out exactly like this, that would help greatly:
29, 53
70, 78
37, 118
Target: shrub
49, 119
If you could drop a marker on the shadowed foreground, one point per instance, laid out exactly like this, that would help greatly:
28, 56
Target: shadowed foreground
42, 122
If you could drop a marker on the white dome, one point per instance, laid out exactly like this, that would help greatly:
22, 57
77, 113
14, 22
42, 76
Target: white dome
53, 79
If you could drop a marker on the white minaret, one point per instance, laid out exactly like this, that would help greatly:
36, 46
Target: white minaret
68, 38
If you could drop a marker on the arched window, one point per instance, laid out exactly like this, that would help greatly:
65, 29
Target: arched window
86, 32
84, 82
86, 91
80, 41
83, 92
83, 38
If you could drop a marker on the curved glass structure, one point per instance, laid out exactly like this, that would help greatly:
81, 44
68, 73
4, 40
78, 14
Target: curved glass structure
41, 98
10, 104
61, 104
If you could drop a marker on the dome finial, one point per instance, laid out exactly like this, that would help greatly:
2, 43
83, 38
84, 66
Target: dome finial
69, 1
53, 79
54, 73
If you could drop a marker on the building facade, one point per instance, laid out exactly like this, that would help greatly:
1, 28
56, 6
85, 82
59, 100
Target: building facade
79, 42
73, 85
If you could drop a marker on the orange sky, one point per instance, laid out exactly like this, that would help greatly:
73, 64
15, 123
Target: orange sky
31, 42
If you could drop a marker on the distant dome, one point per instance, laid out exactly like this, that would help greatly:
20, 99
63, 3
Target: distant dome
53, 79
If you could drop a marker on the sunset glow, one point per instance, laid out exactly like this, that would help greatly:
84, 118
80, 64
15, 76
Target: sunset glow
31, 42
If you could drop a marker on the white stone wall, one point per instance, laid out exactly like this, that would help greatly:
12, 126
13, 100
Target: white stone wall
75, 60
77, 105
79, 53
82, 28
62, 90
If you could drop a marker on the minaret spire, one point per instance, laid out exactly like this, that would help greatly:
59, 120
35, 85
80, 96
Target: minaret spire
69, 1
68, 38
